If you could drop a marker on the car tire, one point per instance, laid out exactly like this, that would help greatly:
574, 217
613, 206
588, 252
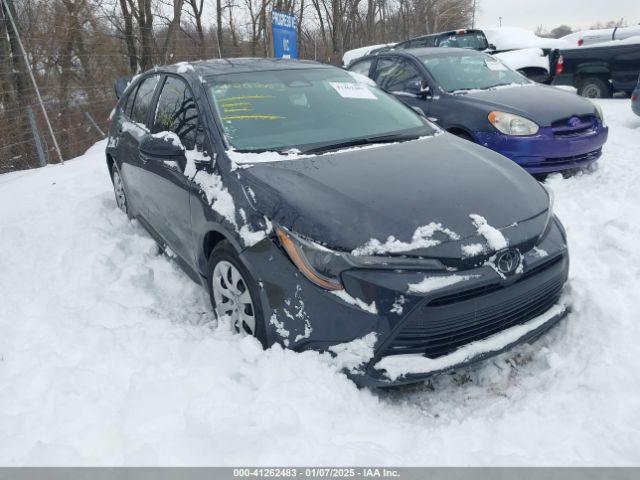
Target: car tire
595, 87
118, 189
234, 293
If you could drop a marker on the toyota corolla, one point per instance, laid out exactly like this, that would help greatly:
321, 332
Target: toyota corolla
321, 213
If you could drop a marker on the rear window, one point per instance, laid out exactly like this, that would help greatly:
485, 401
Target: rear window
472, 40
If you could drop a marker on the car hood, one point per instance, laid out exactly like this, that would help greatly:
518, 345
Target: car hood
540, 103
345, 199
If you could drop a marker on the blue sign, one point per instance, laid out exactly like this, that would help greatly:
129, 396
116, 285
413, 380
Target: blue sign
285, 38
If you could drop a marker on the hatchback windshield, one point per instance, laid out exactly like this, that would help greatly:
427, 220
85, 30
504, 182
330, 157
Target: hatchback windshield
468, 72
308, 109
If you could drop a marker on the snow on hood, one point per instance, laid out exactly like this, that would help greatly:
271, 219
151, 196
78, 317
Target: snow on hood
407, 196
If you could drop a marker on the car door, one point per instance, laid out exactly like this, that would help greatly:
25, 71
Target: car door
166, 183
399, 76
131, 129
625, 65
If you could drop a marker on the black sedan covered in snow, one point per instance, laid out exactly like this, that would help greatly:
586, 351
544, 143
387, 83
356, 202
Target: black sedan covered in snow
321, 213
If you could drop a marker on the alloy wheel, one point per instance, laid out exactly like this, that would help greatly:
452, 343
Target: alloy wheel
232, 298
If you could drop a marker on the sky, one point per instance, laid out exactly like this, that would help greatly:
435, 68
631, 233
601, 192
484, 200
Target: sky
578, 14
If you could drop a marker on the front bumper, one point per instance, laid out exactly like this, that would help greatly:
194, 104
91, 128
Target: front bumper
301, 316
551, 149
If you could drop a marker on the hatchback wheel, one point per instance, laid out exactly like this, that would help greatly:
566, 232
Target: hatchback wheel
118, 190
233, 292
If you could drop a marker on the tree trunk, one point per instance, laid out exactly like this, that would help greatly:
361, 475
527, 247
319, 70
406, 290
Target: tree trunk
129, 38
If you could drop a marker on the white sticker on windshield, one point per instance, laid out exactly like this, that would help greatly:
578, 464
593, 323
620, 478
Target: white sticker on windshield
495, 65
353, 90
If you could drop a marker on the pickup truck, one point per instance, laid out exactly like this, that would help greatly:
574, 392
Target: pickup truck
600, 70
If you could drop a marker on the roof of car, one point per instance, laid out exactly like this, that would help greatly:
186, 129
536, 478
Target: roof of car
240, 65
432, 51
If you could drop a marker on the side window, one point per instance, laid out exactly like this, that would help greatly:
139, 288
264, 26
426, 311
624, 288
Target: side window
177, 112
128, 103
144, 95
362, 67
395, 74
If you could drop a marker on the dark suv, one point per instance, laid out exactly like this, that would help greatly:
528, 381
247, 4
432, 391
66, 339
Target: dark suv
321, 213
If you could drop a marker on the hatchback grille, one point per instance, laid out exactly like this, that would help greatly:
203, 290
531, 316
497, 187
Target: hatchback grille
581, 126
449, 322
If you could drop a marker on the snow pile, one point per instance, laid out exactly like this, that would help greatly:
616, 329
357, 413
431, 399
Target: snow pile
422, 238
352, 355
109, 355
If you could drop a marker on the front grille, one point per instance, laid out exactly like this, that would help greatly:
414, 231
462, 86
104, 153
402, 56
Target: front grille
585, 157
449, 322
563, 129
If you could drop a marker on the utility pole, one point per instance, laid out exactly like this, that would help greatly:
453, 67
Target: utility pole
14, 36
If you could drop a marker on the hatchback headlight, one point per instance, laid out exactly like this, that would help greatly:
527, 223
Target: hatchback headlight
511, 124
599, 113
323, 266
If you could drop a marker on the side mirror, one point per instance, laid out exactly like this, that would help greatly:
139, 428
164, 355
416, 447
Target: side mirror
419, 88
165, 147
491, 46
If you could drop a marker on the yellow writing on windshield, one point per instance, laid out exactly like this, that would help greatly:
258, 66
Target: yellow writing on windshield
246, 97
252, 117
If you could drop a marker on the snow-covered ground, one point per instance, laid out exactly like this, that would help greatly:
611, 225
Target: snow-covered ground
108, 354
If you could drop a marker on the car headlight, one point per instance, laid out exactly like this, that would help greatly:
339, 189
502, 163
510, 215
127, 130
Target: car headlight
599, 113
511, 124
323, 266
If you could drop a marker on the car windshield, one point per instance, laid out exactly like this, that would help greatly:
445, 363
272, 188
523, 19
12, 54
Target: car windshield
473, 40
306, 109
469, 72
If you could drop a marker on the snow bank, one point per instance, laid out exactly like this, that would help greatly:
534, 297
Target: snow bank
109, 355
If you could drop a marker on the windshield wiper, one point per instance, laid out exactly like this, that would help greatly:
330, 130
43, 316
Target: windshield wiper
355, 142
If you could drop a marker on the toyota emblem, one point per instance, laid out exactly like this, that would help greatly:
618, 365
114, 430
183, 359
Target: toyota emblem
508, 261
